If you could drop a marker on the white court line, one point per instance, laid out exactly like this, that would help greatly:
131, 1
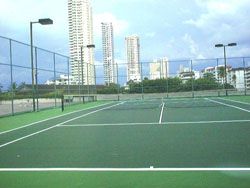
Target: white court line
155, 123
162, 109
43, 130
51, 118
235, 101
120, 169
232, 106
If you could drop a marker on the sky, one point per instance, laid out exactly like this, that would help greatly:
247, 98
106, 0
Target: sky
176, 29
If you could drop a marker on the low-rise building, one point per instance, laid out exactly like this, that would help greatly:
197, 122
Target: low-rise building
62, 80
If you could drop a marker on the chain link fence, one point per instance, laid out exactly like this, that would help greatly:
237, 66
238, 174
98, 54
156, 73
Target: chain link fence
53, 77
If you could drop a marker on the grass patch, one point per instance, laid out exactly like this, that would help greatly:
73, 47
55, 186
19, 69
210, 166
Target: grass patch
125, 179
11, 122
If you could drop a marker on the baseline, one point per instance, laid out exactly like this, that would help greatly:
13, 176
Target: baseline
119, 169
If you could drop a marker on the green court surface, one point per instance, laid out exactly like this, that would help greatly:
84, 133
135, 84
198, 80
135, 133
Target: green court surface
140, 143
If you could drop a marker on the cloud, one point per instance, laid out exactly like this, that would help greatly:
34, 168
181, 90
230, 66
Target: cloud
222, 21
3, 59
19, 13
193, 46
16, 15
150, 35
221, 15
119, 25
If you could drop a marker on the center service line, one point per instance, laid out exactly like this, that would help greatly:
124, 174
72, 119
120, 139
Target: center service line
162, 109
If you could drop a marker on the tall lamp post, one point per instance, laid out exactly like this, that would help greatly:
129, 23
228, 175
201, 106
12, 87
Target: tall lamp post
225, 60
88, 46
44, 21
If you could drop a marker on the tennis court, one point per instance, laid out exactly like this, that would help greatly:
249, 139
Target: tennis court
137, 135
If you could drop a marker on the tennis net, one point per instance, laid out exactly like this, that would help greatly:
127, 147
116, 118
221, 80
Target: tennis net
68, 100
168, 103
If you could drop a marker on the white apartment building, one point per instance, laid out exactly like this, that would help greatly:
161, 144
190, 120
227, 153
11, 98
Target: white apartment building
81, 35
185, 74
216, 72
110, 72
159, 68
133, 58
240, 77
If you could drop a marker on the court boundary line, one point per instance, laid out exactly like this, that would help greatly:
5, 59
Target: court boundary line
150, 169
228, 105
161, 114
155, 123
43, 130
30, 124
240, 102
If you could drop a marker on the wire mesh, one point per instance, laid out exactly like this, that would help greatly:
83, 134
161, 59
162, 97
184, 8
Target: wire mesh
55, 75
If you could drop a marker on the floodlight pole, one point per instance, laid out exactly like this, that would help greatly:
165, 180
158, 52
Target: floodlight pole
32, 65
225, 61
87, 46
45, 21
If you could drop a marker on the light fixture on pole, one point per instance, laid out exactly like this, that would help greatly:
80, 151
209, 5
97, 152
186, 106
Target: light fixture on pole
225, 60
87, 46
44, 21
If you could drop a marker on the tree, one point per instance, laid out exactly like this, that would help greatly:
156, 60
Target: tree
21, 86
13, 86
234, 80
209, 76
1, 88
109, 89
221, 74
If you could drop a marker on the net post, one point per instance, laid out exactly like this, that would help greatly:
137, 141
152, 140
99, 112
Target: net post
62, 101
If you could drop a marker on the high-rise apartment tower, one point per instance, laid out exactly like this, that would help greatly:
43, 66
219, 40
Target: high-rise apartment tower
110, 69
81, 35
133, 58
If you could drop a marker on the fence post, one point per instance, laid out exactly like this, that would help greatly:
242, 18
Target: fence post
95, 78
68, 76
192, 73
142, 89
55, 92
36, 88
79, 85
11, 79
88, 78
245, 81
117, 82
217, 80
